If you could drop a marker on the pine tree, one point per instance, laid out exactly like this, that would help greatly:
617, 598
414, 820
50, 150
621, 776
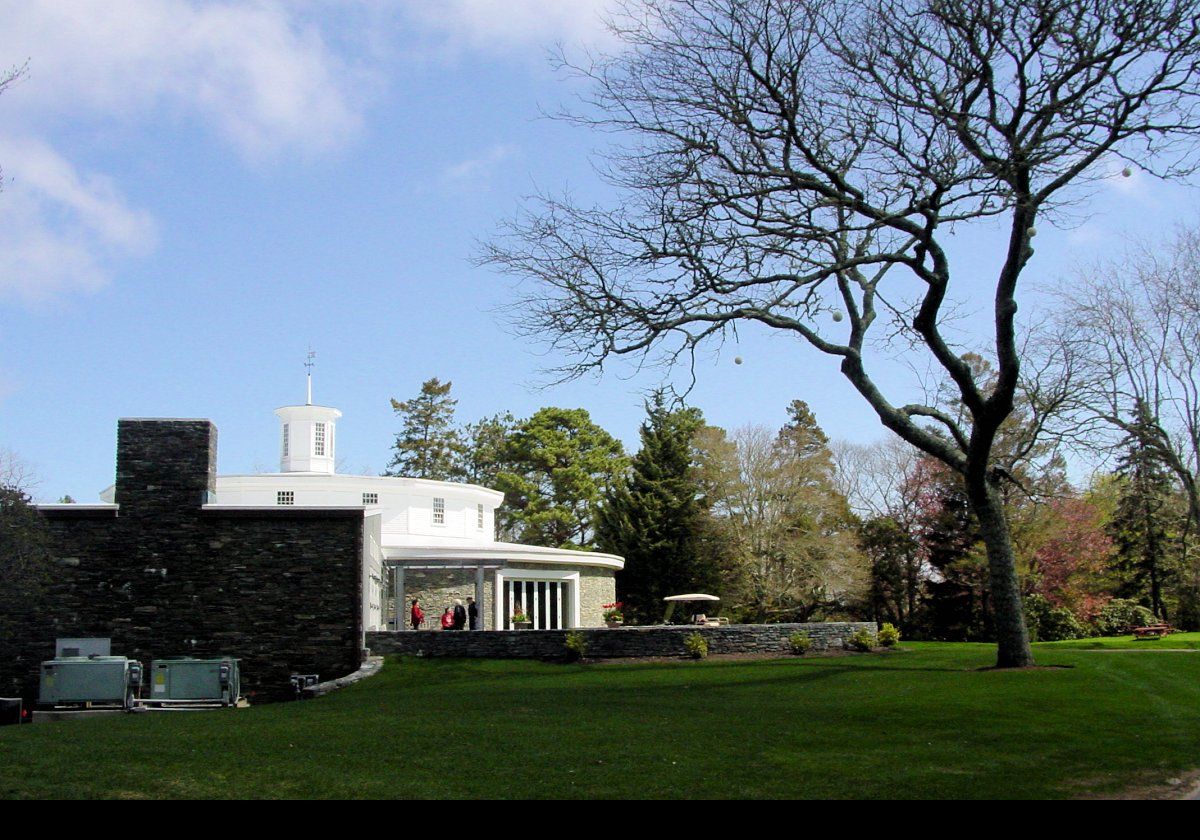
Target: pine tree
428, 445
557, 467
657, 519
1140, 525
485, 448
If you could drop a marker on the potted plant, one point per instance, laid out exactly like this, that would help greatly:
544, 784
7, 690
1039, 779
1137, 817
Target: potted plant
521, 620
614, 615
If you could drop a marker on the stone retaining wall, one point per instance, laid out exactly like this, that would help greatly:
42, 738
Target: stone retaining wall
618, 642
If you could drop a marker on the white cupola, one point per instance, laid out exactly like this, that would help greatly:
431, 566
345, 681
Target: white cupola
307, 435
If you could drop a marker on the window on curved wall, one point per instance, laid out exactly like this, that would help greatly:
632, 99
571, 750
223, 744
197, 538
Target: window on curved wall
439, 511
319, 439
285, 440
479, 517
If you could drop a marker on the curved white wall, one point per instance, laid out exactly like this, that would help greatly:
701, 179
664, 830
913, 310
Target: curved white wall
405, 505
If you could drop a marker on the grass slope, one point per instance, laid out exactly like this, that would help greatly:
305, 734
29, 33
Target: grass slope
920, 723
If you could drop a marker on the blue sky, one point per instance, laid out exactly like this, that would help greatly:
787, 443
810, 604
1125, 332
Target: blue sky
196, 193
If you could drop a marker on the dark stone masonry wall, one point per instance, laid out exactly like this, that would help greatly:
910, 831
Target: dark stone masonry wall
278, 588
607, 643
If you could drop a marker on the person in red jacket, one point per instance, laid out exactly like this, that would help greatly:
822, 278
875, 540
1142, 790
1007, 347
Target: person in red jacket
418, 615
448, 619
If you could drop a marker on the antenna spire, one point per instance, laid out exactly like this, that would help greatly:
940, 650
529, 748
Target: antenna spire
308, 363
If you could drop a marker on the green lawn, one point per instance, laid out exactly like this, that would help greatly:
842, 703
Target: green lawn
925, 722
1176, 641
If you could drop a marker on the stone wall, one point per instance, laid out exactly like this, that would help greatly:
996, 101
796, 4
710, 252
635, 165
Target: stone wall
278, 588
618, 642
437, 589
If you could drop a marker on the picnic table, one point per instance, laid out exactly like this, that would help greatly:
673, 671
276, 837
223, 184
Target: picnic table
1151, 631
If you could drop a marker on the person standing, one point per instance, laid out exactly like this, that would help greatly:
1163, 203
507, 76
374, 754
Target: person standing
417, 615
448, 619
460, 614
472, 614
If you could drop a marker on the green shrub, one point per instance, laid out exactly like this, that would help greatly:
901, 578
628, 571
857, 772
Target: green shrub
697, 646
800, 643
888, 636
576, 646
1119, 616
862, 640
1048, 623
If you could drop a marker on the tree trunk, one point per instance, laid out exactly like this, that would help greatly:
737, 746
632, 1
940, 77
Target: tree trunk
1012, 638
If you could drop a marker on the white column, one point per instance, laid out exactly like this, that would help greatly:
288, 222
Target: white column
562, 621
479, 625
536, 603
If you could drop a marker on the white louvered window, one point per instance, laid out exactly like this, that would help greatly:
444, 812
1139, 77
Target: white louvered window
285, 497
319, 439
439, 511
370, 498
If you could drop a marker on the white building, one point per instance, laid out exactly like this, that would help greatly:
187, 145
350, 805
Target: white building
433, 541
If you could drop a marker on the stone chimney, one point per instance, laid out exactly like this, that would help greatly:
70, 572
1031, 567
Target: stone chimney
165, 465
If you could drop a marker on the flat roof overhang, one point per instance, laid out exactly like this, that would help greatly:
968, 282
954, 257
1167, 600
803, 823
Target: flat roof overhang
496, 554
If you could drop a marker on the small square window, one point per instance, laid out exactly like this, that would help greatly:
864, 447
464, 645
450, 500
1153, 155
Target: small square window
370, 498
439, 511
285, 497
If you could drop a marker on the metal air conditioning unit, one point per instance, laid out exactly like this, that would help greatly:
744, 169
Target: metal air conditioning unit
184, 681
90, 681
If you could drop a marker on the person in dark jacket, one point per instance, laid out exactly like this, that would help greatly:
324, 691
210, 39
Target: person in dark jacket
418, 615
460, 615
472, 614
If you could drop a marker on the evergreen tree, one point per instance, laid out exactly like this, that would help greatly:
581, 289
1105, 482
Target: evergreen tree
25, 576
428, 445
1140, 525
557, 466
657, 518
485, 448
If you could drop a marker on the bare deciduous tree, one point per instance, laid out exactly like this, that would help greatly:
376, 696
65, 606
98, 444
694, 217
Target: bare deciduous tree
793, 548
15, 473
1128, 342
872, 476
798, 162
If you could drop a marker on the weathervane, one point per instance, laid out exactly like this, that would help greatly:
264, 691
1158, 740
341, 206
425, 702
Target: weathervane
308, 363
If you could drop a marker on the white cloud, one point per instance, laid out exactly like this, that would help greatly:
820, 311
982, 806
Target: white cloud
480, 167
265, 81
502, 25
255, 75
58, 226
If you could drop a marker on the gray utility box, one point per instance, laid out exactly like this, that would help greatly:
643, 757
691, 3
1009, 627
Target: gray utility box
82, 647
185, 680
90, 680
